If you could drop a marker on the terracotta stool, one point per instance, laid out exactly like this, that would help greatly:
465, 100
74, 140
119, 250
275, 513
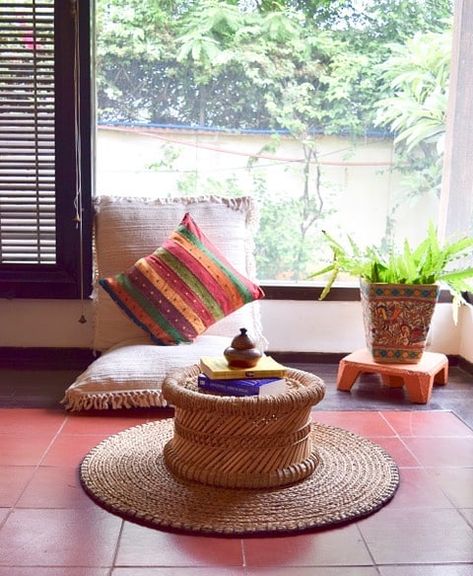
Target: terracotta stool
418, 379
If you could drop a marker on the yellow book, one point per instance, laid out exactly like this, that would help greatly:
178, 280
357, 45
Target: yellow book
217, 367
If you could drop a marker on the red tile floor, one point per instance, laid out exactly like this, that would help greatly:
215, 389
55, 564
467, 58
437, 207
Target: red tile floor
49, 527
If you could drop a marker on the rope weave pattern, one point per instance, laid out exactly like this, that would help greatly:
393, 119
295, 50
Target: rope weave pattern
250, 442
126, 474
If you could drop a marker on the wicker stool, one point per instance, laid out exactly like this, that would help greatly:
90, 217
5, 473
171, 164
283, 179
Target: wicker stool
242, 442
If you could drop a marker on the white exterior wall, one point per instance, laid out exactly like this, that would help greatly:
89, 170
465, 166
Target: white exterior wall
357, 182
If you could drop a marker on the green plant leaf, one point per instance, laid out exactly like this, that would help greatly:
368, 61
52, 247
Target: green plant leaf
458, 247
324, 270
454, 275
329, 284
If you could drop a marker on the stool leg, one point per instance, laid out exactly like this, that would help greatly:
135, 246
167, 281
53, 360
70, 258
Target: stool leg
442, 376
392, 381
419, 387
347, 374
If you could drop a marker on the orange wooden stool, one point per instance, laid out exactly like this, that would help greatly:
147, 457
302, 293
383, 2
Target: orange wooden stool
418, 379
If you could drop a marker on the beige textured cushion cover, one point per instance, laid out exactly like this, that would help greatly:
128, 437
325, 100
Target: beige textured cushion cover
130, 375
131, 369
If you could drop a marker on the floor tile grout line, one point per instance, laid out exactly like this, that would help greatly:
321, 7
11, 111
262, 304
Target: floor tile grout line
189, 566
54, 438
410, 452
443, 410
381, 413
461, 420
426, 564
66, 566
468, 521
117, 545
433, 437
243, 555
373, 561
413, 435
35, 468
449, 467
7, 515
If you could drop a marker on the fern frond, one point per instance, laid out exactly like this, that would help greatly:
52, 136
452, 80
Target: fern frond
456, 275
330, 282
324, 270
427, 263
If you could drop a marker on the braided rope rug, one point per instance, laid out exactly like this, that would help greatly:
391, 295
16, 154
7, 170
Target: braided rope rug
126, 475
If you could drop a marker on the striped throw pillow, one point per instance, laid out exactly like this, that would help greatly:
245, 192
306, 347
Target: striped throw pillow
182, 288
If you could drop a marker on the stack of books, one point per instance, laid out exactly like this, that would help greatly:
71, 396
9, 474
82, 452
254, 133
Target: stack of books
217, 377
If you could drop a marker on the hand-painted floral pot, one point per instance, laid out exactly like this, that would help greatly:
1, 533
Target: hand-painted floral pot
397, 320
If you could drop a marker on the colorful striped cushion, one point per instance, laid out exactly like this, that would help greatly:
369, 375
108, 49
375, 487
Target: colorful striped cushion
181, 289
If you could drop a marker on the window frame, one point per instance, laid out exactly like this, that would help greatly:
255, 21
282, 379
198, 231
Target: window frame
64, 280
71, 276
276, 291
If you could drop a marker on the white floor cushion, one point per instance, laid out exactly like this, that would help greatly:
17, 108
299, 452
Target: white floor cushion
131, 375
131, 369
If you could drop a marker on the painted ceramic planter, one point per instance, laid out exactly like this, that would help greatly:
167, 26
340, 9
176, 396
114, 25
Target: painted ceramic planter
397, 319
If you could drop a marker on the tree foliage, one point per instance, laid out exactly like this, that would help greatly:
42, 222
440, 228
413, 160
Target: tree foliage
417, 73
180, 61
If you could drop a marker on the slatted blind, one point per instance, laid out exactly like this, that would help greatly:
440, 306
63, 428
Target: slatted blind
27, 134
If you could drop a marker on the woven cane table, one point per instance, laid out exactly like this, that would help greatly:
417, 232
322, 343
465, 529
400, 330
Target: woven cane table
242, 442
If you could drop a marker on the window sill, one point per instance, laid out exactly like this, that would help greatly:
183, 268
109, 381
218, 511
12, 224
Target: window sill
348, 293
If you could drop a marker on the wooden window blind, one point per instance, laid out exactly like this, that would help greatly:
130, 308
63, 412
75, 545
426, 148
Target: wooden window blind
27, 138
44, 148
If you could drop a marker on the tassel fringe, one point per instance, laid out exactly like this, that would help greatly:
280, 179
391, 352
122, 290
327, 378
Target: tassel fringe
241, 203
75, 401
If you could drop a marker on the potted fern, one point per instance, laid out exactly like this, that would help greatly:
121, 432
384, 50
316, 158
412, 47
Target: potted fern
399, 290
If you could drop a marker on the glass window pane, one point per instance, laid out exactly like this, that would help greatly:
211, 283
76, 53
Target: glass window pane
332, 118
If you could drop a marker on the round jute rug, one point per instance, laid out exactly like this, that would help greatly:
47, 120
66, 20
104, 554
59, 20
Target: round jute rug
126, 475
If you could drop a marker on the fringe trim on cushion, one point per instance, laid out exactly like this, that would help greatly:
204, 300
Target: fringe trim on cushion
74, 400
242, 203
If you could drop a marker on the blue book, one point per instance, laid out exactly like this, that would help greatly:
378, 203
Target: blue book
243, 386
